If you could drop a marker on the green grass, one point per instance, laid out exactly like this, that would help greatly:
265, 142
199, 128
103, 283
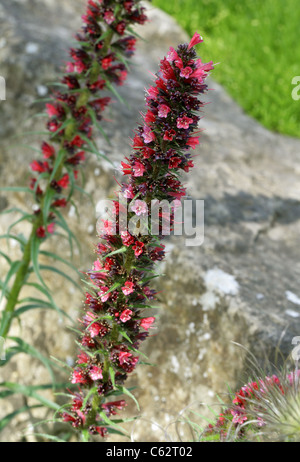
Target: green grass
257, 43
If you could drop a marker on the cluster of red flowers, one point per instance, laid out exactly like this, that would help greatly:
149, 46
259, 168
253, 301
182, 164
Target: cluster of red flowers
97, 63
246, 403
114, 323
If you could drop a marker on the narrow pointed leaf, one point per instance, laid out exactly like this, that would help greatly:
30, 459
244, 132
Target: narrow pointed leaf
13, 269
9, 417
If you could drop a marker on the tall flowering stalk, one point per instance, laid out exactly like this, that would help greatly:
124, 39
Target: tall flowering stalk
98, 62
115, 320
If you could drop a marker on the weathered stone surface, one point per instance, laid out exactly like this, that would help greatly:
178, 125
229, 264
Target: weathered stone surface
240, 286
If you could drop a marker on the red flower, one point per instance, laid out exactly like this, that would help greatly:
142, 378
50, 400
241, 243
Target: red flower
120, 27
38, 166
137, 142
126, 168
52, 110
47, 150
109, 17
184, 122
195, 40
149, 117
172, 55
138, 169
127, 239
147, 322
128, 288
193, 141
41, 232
50, 228
60, 203
148, 134
124, 357
186, 72
106, 62
96, 373
78, 376
83, 358
77, 141
75, 160
189, 165
125, 315
101, 430
138, 248
103, 295
163, 110
169, 135
174, 162
64, 181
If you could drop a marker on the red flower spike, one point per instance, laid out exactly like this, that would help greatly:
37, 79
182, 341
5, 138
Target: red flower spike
115, 314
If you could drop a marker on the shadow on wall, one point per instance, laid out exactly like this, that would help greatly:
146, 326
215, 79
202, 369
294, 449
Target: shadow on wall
245, 207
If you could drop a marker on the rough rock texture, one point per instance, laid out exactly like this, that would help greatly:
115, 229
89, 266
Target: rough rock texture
240, 286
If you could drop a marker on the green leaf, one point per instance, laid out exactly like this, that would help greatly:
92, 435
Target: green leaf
27, 146
96, 123
50, 193
116, 432
71, 237
123, 333
125, 61
40, 304
121, 250
59, 258
135, 34
116, 93
150, 278
58, 160
6, 420
37, 132
62, 127
13, 209
30, 392
113, 287
128, 393
93, 149
102, 36
24, 347
6, 393
82, 191
61, 273
112, 376
62, 365
50, 437
13, 269
56, 84
111, 422
4, 289
25, 217
91, 392
16, 189
41, 289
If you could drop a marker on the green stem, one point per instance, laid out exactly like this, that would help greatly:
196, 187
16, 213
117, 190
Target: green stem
22, 273
12, 299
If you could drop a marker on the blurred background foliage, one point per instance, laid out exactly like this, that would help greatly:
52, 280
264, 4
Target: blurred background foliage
257, 44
